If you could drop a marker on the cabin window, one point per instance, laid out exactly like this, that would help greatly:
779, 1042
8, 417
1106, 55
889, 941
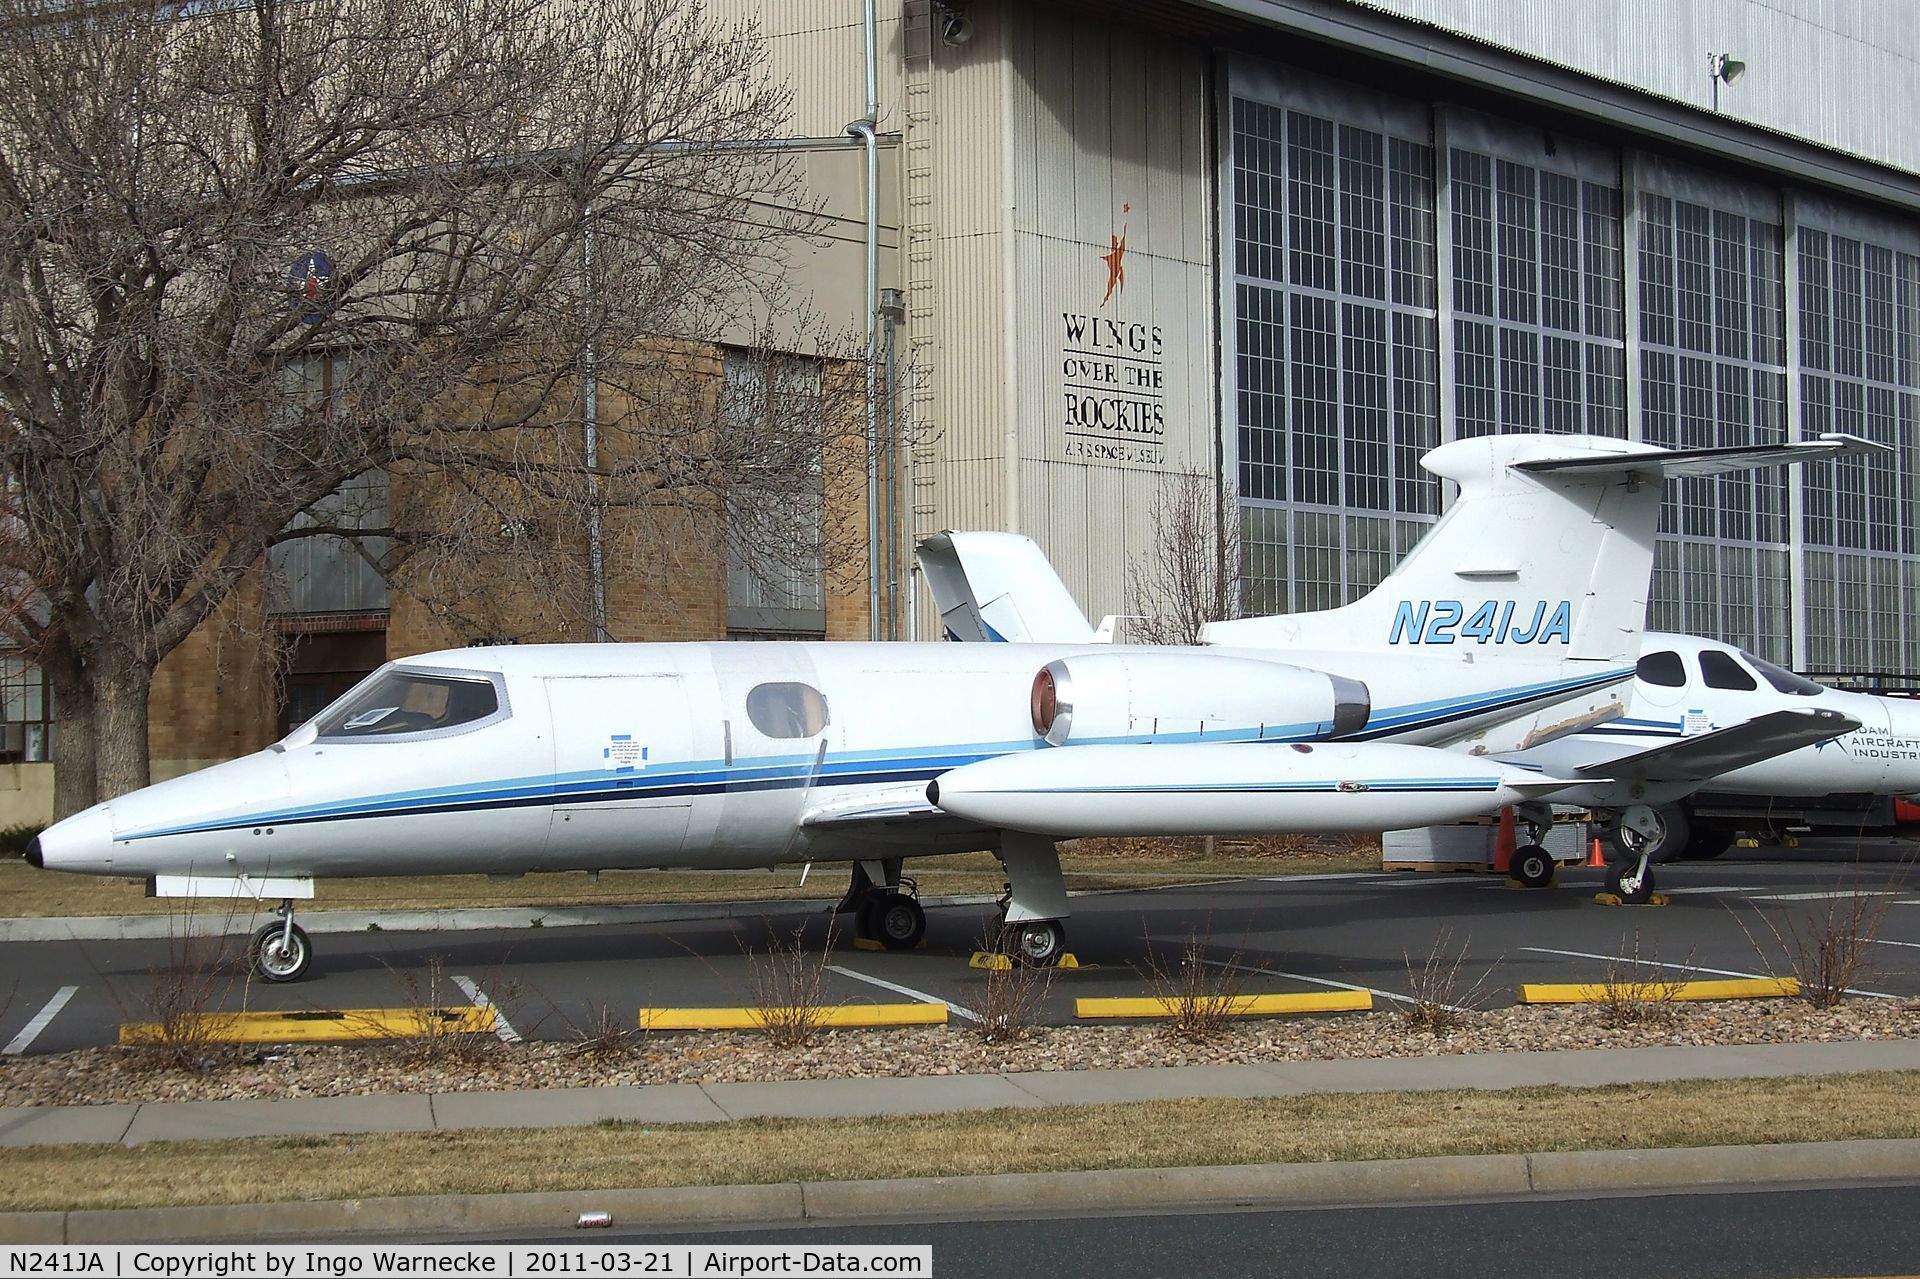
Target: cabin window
401, 702
787, 710
1782, 679
1662, 668
1721, 671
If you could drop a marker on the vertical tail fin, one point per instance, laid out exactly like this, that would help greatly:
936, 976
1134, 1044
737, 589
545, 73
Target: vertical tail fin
1546, 552
1000, 587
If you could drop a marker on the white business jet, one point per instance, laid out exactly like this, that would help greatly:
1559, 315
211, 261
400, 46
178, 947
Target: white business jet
1516, 619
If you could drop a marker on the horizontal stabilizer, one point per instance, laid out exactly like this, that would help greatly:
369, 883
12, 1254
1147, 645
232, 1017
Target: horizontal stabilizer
1707, 755
1693, 463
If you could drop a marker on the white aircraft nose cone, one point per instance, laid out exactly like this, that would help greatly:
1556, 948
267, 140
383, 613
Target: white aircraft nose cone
81, 842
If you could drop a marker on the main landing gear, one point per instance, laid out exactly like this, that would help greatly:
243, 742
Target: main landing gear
280, 951
884, 905
1531, 865
1032, 924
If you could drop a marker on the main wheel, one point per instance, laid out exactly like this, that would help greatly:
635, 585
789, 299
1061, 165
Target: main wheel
278, 957
1532, 865
1623, 883
898, 921
1038, 943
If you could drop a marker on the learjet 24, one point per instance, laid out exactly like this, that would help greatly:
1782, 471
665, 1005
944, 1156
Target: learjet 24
1517, 619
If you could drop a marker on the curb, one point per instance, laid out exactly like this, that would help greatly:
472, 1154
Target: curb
1230, 1186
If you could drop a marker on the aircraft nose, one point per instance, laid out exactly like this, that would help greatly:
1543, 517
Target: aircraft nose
82, 842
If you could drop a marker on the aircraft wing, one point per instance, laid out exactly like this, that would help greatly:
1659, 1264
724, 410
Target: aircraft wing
897, 808
1707, 755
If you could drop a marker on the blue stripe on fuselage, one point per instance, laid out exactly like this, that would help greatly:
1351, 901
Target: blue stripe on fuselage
870, 767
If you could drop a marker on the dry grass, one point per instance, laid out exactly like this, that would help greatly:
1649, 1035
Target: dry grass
1315, 1128
26, 892
1634, 992
1440, 1002
195, 979
1009, 1000
787, 987
1199, 993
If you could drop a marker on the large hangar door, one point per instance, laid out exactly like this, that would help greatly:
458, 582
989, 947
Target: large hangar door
623, 790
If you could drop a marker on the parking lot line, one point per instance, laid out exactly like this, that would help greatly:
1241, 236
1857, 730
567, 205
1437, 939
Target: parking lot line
1827, 896
1685, 968
921, 995
31, 1031
1325, 981
501, 1027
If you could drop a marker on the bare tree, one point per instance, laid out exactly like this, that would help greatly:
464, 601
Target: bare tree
251, 252
1190, 574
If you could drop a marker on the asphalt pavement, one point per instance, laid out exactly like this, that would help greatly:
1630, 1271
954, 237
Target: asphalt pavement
1292, 928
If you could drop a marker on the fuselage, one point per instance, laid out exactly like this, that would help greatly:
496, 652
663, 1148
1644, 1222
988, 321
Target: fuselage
552, 757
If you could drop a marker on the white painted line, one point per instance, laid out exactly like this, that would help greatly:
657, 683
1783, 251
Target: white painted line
1817, 897
1327, 981
921, 995
1688, 968
31, 1031
1315, 879
1912, 945
1714, 888
501, 1026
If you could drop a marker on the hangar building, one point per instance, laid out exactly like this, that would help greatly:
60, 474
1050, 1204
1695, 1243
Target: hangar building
1294, 244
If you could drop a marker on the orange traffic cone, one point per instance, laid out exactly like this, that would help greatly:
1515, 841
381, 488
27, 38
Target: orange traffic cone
1594, 856
1503, 843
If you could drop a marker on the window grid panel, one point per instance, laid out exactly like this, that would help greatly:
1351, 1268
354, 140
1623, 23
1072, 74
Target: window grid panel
1712, 372
1860, 324
1339, 395
1310, 236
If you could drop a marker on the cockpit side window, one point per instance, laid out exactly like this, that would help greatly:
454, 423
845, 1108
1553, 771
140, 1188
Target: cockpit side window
1721, 671
410, 702
787, 710
1662, 668
1781, 678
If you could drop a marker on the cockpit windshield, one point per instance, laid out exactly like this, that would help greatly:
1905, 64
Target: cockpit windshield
402, 701
1784, 680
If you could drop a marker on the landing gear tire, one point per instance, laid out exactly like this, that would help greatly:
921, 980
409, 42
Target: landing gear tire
1629, 883
895, 920
279, 954
1532, 866
1037, 943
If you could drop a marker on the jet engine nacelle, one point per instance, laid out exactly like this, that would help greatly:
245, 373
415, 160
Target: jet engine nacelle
1185, 696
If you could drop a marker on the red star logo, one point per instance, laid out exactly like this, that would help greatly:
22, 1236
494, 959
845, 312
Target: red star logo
1115, 258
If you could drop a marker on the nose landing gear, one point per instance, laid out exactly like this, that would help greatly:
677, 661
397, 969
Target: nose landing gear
280, 951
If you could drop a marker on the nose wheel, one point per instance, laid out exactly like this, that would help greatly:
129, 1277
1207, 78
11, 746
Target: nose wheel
280, 951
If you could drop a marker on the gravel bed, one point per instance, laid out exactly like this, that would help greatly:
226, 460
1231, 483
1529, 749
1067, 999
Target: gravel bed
124, 1074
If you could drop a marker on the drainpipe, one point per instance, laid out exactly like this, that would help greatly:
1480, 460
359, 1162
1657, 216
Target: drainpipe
864, 129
